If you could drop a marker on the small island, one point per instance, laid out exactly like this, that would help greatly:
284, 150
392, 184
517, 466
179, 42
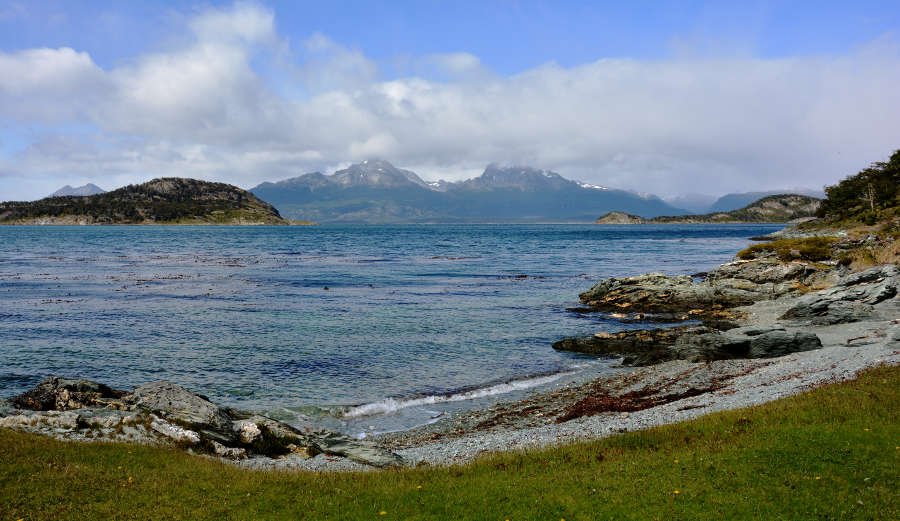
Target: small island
167, 200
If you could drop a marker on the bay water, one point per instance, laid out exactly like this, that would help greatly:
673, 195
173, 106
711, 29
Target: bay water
358, 328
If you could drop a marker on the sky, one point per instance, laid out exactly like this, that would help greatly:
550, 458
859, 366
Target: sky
669, 98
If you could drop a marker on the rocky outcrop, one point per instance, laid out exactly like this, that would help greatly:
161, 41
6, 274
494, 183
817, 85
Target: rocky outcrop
848, 301
163, 412
61, 394
182, 407
638, 347
733, 284
852, 298
694, 344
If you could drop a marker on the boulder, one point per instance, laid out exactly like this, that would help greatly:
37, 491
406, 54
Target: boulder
851, 300
780, 343
178, 405
174, 432
356, 450
638, 347
60, 394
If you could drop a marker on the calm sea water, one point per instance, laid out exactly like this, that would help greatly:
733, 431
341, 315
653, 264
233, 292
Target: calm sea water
365, 328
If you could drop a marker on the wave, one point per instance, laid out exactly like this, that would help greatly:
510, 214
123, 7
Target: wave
389, 405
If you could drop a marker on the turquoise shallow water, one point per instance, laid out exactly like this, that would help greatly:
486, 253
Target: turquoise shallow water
286, 319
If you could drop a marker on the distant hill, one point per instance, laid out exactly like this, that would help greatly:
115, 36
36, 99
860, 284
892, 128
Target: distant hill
81, 191
774, 209
621, 218
375, 191
736, 201
168, 200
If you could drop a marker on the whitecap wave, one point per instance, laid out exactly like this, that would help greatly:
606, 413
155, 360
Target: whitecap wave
389, 405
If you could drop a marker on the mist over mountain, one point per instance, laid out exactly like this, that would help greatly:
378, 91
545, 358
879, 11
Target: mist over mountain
694, 203
377, 191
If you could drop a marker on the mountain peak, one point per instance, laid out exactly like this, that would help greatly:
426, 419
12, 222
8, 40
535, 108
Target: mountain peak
80, 191
518, 177
378, 173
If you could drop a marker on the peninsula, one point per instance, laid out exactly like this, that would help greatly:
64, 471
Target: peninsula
167, 200
782, 208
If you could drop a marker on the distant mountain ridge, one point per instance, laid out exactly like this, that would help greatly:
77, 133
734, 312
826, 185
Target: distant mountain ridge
736, 201
377, 191
79, 191
168, 200
779, 208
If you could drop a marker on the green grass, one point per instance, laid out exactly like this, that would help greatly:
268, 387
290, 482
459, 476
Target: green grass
828, 454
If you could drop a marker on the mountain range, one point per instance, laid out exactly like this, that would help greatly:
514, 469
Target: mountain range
375, 191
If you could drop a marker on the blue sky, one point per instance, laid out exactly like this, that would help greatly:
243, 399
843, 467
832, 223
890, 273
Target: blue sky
508, 36
638, 95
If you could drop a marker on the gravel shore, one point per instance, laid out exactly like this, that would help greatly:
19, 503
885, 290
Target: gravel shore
683, 390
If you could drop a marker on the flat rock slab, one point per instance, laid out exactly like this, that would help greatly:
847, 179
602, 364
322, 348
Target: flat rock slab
177, 404
848, 301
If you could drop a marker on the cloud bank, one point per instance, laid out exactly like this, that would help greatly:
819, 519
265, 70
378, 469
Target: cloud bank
239, 102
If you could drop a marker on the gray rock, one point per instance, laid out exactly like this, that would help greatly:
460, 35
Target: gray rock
733, 284
166, 412
60, 394
174, 432
59, 421
358, 451
694, 344
711, 346
178, 405
228, 452
780, 343
247, 431
875, 274
850, 300
754, 330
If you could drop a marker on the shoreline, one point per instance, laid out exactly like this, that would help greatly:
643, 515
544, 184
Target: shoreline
859, 331
708, 387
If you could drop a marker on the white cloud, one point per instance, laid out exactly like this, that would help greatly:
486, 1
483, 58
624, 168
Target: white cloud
48, 85
327, 66
208, 110
243, 23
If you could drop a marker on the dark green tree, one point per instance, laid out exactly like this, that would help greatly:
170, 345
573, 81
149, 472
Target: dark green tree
864, 195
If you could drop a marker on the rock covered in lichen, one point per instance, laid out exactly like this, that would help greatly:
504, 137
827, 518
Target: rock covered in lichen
733, 284
164, 412
63, 394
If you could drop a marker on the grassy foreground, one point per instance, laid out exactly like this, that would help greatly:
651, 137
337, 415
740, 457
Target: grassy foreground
833, 453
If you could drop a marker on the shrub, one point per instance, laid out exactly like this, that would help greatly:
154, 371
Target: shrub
810, 249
